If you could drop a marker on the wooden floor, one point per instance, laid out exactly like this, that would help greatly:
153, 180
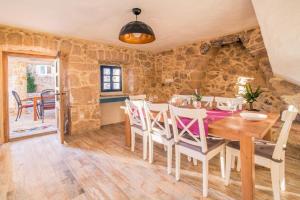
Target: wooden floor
98, 166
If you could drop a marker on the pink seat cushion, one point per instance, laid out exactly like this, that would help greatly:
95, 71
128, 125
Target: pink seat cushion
212, 115
27, 105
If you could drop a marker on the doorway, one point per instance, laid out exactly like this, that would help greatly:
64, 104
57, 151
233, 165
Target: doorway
32, 97
31, 93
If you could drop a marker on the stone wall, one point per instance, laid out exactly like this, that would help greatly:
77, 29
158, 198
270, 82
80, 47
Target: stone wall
215, 66
80, 60
17, 81
42, 82
212, 66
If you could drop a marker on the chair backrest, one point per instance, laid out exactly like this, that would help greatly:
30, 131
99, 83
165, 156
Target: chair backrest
288, 116
17, 97
137, 97
225, 101
182, 132
154, 114
136, 113
179, 97
48, 97
208, 100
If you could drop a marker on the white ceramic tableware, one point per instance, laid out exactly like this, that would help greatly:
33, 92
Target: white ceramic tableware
252, 116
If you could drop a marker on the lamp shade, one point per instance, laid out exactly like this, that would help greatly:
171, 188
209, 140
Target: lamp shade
136, 32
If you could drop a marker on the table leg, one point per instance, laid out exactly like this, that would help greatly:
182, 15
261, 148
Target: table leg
247, 168
127, 131
268, 136
35, 109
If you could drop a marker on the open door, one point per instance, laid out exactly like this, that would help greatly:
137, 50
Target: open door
60, 100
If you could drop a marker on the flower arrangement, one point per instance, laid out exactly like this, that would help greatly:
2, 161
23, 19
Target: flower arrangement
251, 96
197, 99
197, 96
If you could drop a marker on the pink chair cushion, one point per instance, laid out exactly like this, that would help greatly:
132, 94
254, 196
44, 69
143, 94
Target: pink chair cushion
27, 105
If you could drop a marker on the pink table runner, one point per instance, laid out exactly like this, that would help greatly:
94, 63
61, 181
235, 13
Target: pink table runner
212, 115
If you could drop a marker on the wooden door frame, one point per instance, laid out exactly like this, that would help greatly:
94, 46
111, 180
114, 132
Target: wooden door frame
4, 100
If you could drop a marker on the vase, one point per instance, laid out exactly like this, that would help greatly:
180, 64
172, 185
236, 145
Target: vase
251, 108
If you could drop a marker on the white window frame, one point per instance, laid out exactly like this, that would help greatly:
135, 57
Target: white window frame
39, 71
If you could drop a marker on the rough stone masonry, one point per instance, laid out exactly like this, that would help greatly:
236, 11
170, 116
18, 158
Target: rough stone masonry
212, 66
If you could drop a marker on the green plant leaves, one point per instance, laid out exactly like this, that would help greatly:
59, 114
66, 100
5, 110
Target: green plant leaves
251, 96
197, 97
31, 86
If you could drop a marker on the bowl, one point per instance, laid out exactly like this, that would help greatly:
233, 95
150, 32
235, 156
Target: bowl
251, 116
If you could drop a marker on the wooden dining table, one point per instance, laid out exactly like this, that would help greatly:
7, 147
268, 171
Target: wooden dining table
35, 111
234, 127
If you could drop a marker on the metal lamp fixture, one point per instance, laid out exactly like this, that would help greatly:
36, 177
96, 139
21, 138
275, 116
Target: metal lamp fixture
136, 32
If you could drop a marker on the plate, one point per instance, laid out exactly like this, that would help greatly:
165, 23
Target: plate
224, 108
251, 116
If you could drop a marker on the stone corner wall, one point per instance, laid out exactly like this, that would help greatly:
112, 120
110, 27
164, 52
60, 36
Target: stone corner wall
212, 66
215, 67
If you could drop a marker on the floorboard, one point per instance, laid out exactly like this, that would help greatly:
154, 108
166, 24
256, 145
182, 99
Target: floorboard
97, 165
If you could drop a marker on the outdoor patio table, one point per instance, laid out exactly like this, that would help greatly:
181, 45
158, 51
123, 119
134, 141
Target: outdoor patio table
35, 111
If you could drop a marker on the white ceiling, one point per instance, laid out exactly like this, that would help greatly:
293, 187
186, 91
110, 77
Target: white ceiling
175, 22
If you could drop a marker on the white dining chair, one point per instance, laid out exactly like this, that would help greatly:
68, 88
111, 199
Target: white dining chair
135, 109
159, 130
200, 147
137, 97
207, 100
267, 154
223, 103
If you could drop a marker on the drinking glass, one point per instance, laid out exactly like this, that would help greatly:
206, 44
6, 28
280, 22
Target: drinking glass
232, 106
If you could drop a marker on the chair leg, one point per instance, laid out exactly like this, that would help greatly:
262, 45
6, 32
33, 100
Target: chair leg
195, 161
169, 158
228, 166
275, 173
222, 162
43, 117
132, 140
205, 177
18, 114
151, 146
282, 174
177, 163
238, 165
37, 113
145, 141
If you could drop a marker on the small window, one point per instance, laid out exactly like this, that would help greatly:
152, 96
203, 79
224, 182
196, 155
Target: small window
241, 82
43, 70
111, 78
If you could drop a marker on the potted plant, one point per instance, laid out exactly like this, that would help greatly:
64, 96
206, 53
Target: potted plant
31, 86
197, 99
251, 96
